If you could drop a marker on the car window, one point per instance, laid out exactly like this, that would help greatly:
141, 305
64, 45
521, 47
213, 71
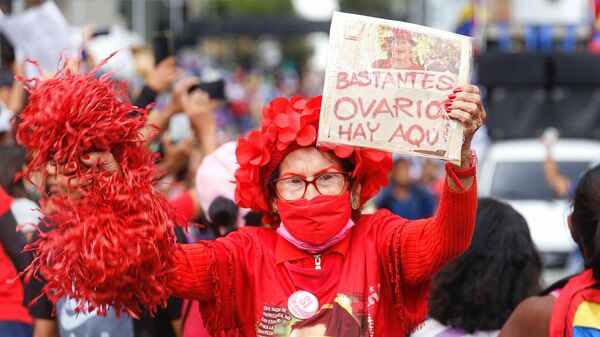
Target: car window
525, 180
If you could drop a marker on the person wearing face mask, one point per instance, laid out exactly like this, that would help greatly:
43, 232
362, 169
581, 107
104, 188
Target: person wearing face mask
317, 249
317, 257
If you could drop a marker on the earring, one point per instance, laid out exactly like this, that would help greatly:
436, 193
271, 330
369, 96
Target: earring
355, 202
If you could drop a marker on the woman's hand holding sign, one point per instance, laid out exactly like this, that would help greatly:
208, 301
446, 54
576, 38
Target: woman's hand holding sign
465, 105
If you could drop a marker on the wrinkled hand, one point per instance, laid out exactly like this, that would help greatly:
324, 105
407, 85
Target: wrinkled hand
465, 105
176, 155
165, 73
201, 111
179, 90
62, 178
198, 104
105, 160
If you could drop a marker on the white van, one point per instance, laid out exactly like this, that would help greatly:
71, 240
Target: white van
513, 171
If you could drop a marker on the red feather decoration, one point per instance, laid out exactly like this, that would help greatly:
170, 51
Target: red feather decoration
111, 242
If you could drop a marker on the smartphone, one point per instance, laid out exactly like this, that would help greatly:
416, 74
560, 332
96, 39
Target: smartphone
214, 89
101, 32
163, 46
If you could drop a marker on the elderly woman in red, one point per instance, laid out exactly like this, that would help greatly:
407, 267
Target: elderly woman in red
321, 268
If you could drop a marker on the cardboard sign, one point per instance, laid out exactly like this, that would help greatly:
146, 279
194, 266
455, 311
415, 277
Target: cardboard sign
41, 33
386, 85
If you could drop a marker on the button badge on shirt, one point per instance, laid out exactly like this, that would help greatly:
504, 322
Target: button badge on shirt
303, 304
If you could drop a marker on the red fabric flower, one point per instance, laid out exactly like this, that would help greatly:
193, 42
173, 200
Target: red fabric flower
298, 103
371, 168
311, 111
249, 185
279, 104
307, 136
343, 151
270, 133
269, 112
253, 150
289, 126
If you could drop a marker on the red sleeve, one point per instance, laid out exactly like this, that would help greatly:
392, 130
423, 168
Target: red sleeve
184, 205
416, 250
193, 275
203, 267
202, 274
213, 273
5, 201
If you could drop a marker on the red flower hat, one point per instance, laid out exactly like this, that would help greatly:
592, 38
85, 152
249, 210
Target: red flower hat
288, 125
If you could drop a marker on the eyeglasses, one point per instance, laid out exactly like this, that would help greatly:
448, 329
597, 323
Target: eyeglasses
294, 188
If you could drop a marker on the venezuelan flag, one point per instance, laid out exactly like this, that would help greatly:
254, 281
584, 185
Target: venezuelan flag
594, 46
466, 22
586, 322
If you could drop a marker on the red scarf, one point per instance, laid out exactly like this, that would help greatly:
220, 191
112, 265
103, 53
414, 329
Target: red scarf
579, 289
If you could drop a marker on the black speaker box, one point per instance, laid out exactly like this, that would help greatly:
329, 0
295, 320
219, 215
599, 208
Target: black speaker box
512, 69
576, 70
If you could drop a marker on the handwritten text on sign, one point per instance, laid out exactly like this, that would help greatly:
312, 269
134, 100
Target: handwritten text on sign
358, 117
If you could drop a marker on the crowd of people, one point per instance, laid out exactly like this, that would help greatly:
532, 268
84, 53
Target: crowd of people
287, 237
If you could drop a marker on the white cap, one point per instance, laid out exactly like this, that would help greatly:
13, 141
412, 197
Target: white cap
5, 118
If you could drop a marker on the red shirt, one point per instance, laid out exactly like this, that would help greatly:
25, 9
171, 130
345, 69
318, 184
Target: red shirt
374, 282
11, 292
11, 288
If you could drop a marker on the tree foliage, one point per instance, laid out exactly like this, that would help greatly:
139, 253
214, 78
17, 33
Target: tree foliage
252, 7
361, 6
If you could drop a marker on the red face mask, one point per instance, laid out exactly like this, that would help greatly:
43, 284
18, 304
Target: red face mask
316, 220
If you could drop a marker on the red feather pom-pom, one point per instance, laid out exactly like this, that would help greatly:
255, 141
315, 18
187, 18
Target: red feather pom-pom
111, 240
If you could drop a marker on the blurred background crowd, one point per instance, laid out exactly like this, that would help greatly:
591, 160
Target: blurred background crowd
207, 67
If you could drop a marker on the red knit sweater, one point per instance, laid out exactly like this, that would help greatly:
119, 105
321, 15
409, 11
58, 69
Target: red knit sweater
381, 286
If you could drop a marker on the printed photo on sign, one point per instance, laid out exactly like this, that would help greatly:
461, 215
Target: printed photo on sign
387, 84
